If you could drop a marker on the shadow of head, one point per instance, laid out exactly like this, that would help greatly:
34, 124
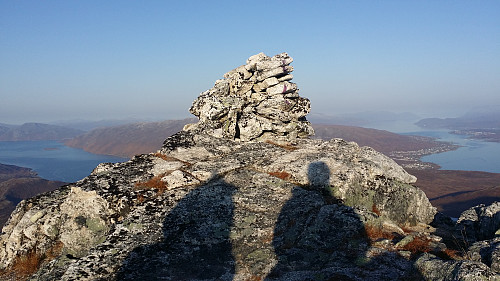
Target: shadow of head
318, 174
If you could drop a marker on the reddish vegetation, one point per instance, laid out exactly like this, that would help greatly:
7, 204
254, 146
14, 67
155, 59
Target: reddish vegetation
165, 157
453, 192
140, 198
287, 146
153, 183
282, 175
418, 245
375, 233
450, 254
375, 210
25, 266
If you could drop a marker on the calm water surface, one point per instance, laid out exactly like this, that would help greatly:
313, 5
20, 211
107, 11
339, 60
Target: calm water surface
52, 160
474, 155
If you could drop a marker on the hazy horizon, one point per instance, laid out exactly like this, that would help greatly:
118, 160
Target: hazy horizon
149, 60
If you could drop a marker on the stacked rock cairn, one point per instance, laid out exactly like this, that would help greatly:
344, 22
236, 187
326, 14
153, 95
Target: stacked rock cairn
255, 101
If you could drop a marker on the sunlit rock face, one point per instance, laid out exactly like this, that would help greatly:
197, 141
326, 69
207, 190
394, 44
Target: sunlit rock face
256, 101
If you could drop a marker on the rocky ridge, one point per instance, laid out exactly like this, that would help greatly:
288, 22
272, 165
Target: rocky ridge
210, 206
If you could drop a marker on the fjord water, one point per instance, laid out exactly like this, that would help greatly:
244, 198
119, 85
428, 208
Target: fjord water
473, 155
52, 160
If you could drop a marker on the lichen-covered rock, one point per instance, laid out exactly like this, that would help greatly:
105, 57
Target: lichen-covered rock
487, 252
479, 223
255, 101
433, 268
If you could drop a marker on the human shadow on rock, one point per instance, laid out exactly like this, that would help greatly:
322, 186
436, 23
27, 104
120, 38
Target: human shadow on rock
196, 242
316, 237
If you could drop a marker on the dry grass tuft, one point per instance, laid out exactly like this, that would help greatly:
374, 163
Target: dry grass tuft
375, 233
375, 210
255, 278
153, 183
288, 146
165, 157
24, 266
281, 174
418, 245
449, 254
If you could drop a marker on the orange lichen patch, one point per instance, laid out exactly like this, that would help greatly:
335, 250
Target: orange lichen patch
375, 233
281, 174
24, 266
288, 146
153, 183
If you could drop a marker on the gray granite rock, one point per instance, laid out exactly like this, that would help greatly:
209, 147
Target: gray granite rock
255, 101
479, 223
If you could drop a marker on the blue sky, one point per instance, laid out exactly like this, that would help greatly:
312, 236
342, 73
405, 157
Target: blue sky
63, 60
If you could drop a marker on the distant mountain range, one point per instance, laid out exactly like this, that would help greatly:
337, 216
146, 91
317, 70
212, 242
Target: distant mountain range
129, 139
474, 120
36, 131
362, 119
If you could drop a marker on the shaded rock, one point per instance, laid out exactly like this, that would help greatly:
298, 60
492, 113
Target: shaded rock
487, 252
433, 268
479, 223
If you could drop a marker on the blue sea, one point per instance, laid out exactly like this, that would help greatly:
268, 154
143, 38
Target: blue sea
52, 160
473, 155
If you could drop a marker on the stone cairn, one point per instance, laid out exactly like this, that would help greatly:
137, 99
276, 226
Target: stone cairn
255, 101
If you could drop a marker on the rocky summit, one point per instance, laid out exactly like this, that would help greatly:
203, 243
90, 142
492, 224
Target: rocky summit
255, 101
226, 200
